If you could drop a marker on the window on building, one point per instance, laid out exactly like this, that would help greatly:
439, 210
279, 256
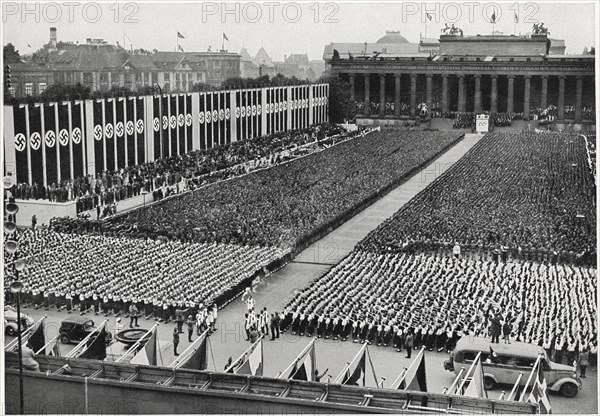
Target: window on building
29, 88
41, 87
11, 91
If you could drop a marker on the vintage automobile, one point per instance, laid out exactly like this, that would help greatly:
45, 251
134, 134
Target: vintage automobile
10, 321
76, 329
509, 360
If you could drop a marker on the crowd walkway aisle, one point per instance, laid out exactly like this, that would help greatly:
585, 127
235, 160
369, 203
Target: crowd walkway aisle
275, 291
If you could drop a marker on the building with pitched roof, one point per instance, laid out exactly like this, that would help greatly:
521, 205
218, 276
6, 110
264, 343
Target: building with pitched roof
101, 66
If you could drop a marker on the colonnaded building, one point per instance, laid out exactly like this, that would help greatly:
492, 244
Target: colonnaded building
518, 75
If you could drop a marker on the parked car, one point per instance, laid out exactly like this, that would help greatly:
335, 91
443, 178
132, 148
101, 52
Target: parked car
11, 324
76, 329
508, 361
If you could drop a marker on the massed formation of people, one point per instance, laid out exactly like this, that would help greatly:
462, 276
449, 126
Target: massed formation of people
109, 273
531, 194
282, 205
381, 298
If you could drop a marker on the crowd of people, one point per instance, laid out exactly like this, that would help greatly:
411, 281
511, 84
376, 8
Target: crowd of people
111, 186
285, 204
531, 193
380, 298
109, 273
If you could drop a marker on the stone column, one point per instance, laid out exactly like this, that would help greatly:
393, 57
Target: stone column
352, 83
109, 80
494, 95
367, 102
428, 93
510, 99
413, 94
121, 79
397, 96
461, 93
544, 100
382, 95
561, 97
444, 94
143, 80
526, 96
578, 97
477, 106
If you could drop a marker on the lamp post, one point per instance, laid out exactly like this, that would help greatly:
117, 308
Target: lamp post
12, 246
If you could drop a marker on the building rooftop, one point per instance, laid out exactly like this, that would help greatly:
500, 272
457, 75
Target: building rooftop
392, 36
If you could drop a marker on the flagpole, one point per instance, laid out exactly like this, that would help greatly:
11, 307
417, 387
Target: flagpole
175, 364
85, 340
310, 344
513, 392
452, 389
406, 370
373, 368
535, 366
462, 384
47, 344
341, 375
250, 348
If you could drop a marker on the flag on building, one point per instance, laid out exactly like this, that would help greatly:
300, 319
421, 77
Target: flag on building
304, 369
37, 339
516, 18
493, 20
149, 353
539, 396
180, 36
428, 16
252, 361
96, 350
196, 359
180, 48
225, 37
355, 370
415, 378
476, 387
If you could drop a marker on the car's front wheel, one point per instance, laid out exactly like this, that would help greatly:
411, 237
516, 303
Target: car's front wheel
64, 338
10, 331
569, 390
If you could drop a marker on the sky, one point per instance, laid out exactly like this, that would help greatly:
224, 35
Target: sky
282, 28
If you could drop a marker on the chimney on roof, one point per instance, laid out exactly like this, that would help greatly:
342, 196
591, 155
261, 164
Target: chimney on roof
53, 38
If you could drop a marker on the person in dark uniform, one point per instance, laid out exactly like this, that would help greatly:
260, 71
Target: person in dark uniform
408, 344
495, 328
175, 340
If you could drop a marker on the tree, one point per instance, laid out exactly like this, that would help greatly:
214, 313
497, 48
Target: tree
10, 54
65, 92
340, 106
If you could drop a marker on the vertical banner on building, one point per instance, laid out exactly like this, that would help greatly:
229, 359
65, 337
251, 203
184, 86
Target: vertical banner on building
188, 129
165, 125
182, 145
21, 145
194, 109
109, 135
221, 114
50, 144
237, 115
230, 114
172, 129
249, 113
119, 133
202, 120
156, 126
36, 143
142, 147
208, 120
227, 122
259, 111
244, 123
130, 135
78, 139
64, 140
